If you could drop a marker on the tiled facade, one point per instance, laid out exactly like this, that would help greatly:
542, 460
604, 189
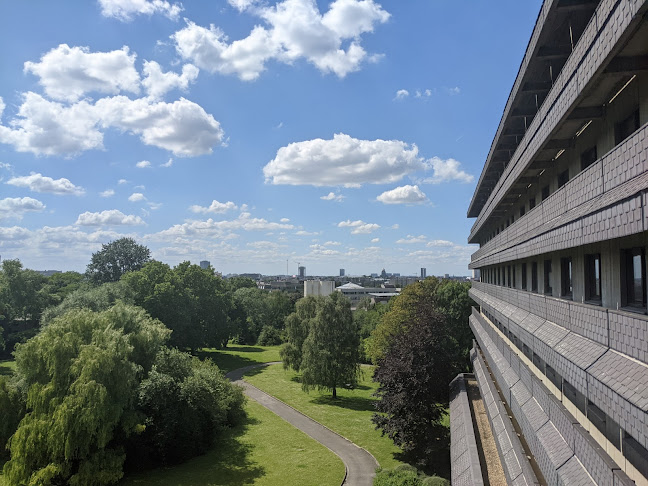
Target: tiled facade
561, 208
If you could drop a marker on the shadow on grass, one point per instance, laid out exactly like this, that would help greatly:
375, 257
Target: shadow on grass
350, 403
226, 463
5, 370
437, 462
244, 349
226, 362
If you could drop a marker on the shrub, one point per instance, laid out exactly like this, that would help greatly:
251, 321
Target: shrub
269, 336
397, 477
435, 481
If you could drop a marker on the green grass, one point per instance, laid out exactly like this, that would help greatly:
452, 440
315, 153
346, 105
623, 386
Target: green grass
7, 367
266, 451
238, 356
349, 415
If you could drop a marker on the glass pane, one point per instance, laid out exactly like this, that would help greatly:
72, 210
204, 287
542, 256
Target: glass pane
637, 273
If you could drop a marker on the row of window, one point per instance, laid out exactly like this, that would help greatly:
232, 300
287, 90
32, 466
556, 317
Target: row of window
633, 277
629, 447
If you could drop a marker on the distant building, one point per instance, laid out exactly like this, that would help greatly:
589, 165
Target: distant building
318, 288
356, 293
48, 273
341, 272
302, 272
423, 272
447, 275
204, 264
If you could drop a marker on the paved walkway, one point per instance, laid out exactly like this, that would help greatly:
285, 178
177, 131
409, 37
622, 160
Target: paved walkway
360, 465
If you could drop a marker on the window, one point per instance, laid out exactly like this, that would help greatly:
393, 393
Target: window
563, 178
554, 377
508, 276
574, 396
545, 192
513, 276
534, 277
593, 277
547, 277
524, 277
566, 289
636, 454
531, 203
522, 211
634, 290
588, 157
626, 127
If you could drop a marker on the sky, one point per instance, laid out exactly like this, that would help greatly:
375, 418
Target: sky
258, 135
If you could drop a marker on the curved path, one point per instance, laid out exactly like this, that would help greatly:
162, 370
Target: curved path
360, 465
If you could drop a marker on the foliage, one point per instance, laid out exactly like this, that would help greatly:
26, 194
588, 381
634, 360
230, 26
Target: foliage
447, 297
414, 376
115, 259
397, 477
254, 308
81, 374
186, 402
21, 295
330, 353
367, 318
435, 481
298, 326
269, 336
235, 283
60, 285
12, 409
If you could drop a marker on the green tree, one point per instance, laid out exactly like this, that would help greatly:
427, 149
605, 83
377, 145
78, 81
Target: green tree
81, 374
298, 326
60, 285
21, 292
252, 313
330, 353
115, 259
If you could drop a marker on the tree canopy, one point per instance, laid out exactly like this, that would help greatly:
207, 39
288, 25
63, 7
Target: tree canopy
115, 259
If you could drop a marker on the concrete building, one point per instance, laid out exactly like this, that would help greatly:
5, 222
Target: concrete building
561, 333
423, 272
302, 271
204, 264
341, 272
356, 293
318, 288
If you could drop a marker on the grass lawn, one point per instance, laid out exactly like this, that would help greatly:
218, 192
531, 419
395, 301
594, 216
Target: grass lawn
349, 415
7, 367
266, 451
238, 356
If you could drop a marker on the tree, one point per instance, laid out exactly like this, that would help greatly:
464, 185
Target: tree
330, 353
81, 374
21, 292
60, 285
115, 259
298, 326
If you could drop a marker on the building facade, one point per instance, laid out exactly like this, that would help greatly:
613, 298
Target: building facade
561, 208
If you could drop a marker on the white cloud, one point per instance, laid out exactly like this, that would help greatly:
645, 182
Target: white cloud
401, 94
332, 243
122, 181
158, 83
306, 233
446, 171
14, 233
331, 196
16, 207
112, 217
395, 226
359, 227
403, 195
136, 196
143, 164
411, 240
436, 243
211, 228
295, 29
454, 91
343, 161
168, 163
107, 193
215, 207
40, 183
125, 10
284, 220
375, 240
68, 73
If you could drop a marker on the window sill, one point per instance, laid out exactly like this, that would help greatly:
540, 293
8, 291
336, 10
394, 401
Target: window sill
594, 302
634, 310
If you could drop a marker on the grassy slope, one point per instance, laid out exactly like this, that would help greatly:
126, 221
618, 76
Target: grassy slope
238, 356
7, 367
266, 451
349, 415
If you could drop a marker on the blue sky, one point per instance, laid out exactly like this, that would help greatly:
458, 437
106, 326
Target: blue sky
337, 135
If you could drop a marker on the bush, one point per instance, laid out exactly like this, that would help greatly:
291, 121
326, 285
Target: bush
397, 477
12, 410
269, 336
435, 481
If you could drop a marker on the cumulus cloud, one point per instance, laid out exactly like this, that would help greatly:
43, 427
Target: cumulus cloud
158, 83
401, 94
16, 207
107, 193
436, 243
168, 163
284, 220
126, 10
40, 183
359, 227
343, 161
112, 217
215, 207
411, 240
136, 197
306, 233
331, 196
295, 29
403, 195
143, 164
209, 228
375, 240
68, 73
447, 171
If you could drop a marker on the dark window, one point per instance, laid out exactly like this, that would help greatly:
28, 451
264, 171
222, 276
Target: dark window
626, 127
513, 276
526, 351
566, 278
534, 277
635, 453
574, 396
499, 277
524, 277
522, 211
634, 291
540, 364
588, 157
545, 192
531, 203
563, 178
593, 277
554, 377
508, 276
507, 223
547, 277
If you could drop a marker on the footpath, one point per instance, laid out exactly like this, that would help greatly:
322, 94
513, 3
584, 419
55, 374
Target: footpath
360, 465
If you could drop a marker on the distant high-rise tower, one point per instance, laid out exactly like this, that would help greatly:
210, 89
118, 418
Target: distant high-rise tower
423, 272
302, 272
204, 264
341, 272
